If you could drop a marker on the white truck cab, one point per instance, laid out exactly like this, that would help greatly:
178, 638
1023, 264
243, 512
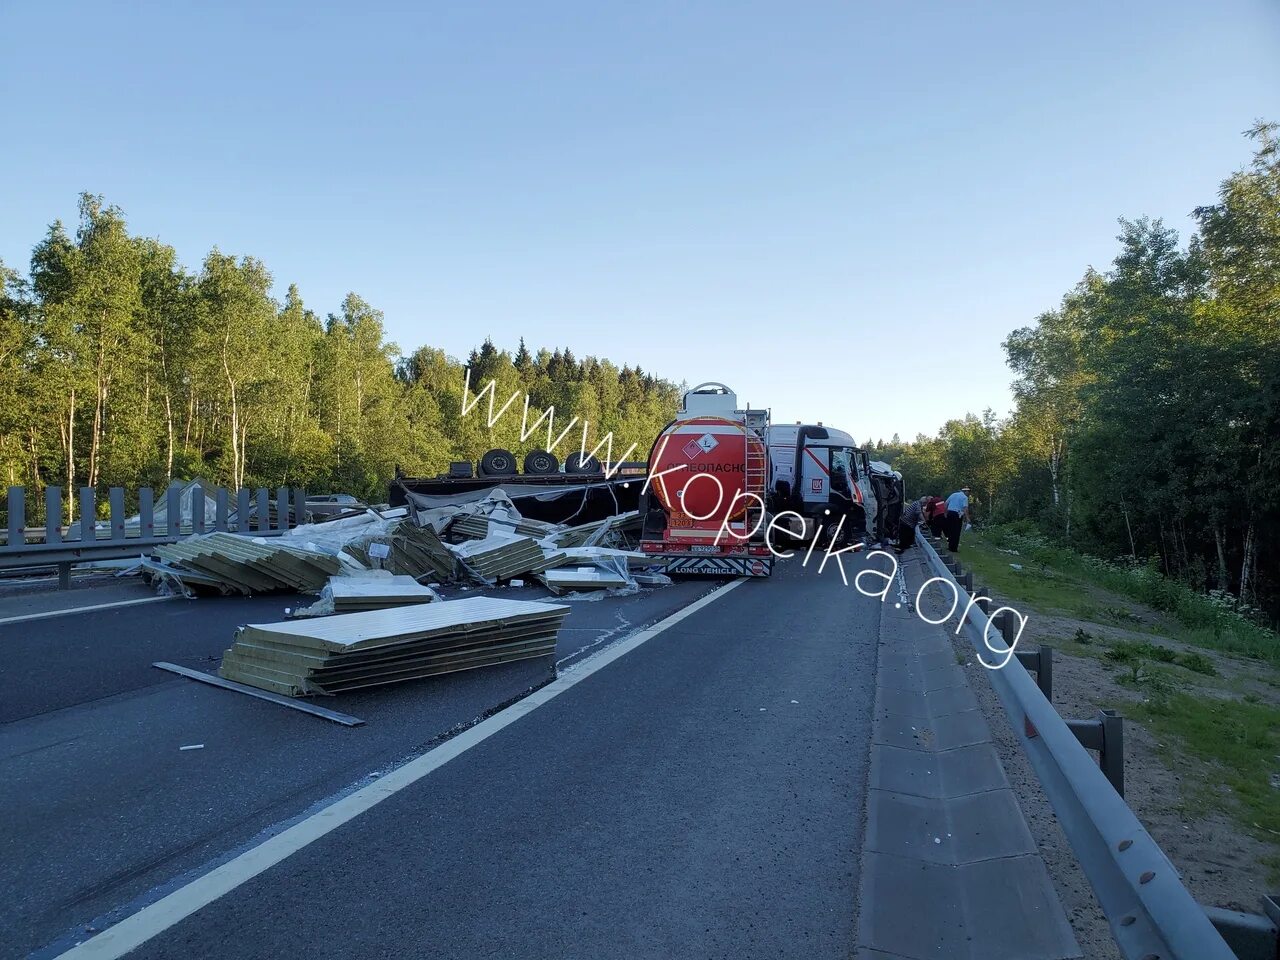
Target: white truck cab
821, 474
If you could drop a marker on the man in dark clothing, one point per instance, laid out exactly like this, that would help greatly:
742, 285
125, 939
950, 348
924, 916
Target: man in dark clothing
841, 506
912, 515
957, 517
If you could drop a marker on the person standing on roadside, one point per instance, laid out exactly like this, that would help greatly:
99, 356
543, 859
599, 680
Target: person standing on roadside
912, 515
935, 514
957, 517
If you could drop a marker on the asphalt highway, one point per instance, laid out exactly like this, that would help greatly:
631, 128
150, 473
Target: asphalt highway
101, 807
701, 796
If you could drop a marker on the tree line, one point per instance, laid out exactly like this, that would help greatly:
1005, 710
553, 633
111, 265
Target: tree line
119, 367
1147, 416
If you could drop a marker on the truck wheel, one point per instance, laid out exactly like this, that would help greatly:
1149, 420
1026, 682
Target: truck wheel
540, 463
498, 463
577, 464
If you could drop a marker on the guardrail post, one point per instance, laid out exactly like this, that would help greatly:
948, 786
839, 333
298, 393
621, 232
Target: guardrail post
1249, 935
146, 513
1105, 735
1039, 662
1006, 626
242, 510
116, 496
173, 511
220, 513
967, 582
984, 604
282, 508
1044, 671
299, 506
264, 510
88, 515
1111, 756
17, 516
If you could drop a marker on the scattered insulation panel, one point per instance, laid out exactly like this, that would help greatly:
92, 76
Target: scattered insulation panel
375, 590
355, 650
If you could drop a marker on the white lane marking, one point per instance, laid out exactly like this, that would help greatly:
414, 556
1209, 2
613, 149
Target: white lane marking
152, 920
97, 606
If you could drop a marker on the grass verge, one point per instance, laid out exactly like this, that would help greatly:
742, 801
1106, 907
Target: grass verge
1051, 578
1240, 739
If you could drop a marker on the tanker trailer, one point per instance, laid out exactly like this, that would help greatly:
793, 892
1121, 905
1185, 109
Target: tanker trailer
703, 500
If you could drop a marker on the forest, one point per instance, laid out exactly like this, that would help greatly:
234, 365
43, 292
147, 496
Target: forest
1146, 425
118, 367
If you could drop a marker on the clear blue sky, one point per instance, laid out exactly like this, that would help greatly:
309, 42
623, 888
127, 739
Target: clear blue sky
784, 197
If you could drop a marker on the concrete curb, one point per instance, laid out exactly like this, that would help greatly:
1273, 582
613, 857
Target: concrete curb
949, 866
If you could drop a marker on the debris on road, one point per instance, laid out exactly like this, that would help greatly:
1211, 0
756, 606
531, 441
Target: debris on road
375, 590
234, 564
500, 556
563, 579
485, 541
412, 551
215, 681
355, 650
192, 746
599, 531
477, 527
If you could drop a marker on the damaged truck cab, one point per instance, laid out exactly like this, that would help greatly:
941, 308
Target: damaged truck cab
821, 475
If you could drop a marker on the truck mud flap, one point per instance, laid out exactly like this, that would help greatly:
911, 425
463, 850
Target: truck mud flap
721, 566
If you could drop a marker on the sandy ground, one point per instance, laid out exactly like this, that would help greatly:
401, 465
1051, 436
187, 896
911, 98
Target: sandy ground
1220, 864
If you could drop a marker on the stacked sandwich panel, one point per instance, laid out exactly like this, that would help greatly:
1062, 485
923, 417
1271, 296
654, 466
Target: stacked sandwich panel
353, 594
500, 556
244, 565
477, 527
469, 527
588, 534
354, 650
411, 551
419, 551
371, 590
564, 579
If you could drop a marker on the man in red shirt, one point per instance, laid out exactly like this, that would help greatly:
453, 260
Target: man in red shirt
935, 514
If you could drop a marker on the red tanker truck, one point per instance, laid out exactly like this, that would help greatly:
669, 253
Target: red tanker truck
704, 497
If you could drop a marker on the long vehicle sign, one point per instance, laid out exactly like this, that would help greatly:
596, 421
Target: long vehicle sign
722, 566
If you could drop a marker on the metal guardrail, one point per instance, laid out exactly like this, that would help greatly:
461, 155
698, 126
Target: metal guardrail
1152, 915
125, 538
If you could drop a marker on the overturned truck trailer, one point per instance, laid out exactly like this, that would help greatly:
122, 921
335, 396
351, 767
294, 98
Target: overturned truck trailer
577, 497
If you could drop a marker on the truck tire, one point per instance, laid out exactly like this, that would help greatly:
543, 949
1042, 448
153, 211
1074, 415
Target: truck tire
578, 465
540, 463
498, 463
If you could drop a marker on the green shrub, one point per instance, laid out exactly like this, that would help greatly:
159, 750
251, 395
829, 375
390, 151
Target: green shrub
1125, 651
1198, 663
